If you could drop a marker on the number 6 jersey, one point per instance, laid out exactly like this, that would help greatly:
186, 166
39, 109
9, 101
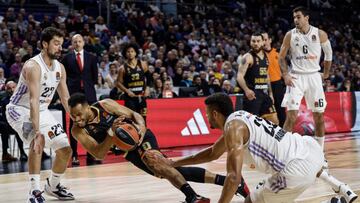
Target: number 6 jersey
48, 85
269, 146
305, 50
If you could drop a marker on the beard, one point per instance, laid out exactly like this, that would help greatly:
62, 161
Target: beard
53, 56
256, 50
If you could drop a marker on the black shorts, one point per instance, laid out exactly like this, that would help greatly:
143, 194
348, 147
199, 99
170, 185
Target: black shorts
260, 106
135, 156
136, 104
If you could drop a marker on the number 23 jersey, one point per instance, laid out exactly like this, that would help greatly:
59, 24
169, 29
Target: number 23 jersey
49, 81
269, 146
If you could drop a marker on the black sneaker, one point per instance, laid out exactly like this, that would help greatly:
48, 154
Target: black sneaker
61, 192
36, 197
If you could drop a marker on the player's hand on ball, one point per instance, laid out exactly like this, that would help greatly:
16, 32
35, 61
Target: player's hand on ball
118, 122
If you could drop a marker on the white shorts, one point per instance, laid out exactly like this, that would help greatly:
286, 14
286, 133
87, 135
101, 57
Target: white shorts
308, 85
294, 179
19, 119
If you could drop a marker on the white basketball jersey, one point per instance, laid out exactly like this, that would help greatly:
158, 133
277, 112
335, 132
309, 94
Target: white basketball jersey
48, 85
269, 147
305, 50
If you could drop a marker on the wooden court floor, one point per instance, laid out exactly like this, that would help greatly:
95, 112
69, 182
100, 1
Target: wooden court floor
123, 183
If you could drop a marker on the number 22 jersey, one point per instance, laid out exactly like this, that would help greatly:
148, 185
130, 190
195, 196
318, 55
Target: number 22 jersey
49, 80
269, 146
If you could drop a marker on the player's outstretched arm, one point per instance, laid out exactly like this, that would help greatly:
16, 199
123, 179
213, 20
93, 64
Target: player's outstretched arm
63, 90
233, 135
98, 150
206, 155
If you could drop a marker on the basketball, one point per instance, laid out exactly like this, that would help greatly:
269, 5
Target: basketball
126, 137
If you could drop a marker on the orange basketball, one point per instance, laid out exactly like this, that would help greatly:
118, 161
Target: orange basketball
126, 137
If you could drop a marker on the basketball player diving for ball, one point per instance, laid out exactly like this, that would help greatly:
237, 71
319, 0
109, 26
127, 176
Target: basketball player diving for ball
91, 129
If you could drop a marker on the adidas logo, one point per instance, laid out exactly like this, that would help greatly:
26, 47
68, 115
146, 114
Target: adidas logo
196, 125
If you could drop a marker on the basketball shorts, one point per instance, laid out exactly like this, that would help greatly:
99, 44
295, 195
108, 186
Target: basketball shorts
19, 119
135, 156
308, 86
136, 104
260, 106
294, 179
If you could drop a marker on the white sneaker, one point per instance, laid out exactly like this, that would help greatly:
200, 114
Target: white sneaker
61, 192
36, 197
347, 193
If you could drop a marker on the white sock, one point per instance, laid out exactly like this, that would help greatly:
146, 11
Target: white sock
320, 140
54, 179
331, 180
34, 182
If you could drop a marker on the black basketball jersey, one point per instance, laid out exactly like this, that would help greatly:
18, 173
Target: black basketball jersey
256, 75
103, 122
134, 78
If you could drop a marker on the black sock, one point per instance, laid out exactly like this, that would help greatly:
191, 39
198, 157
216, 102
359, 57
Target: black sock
188, 191
219, 179
193, 174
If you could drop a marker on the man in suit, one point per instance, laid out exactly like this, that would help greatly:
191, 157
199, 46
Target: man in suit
82, 72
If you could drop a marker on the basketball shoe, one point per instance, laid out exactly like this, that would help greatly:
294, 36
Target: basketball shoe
243, 189
345, 191
36, 197
198, 199
61, 192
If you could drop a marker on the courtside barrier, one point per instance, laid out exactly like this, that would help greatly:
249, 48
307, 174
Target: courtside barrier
182, 121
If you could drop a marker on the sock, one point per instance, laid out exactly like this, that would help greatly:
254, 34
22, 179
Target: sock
332, 181
188, 191
219, 179
193, 174
54, 179
321, 141
34, 182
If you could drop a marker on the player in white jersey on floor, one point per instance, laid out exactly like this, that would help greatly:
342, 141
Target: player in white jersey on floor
305, 43
28, 114
294, 161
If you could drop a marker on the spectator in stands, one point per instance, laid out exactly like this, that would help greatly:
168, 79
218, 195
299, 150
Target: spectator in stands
205, 59
156, 91
5, 129
356, 80
30, 54
168, 91
346, 86
16, 67
227, 88
186, 80
82, 72
338, 78
202, 89
214, 85
100, 25
199, 66
2, 79
23, 50
110, 79
328, 87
